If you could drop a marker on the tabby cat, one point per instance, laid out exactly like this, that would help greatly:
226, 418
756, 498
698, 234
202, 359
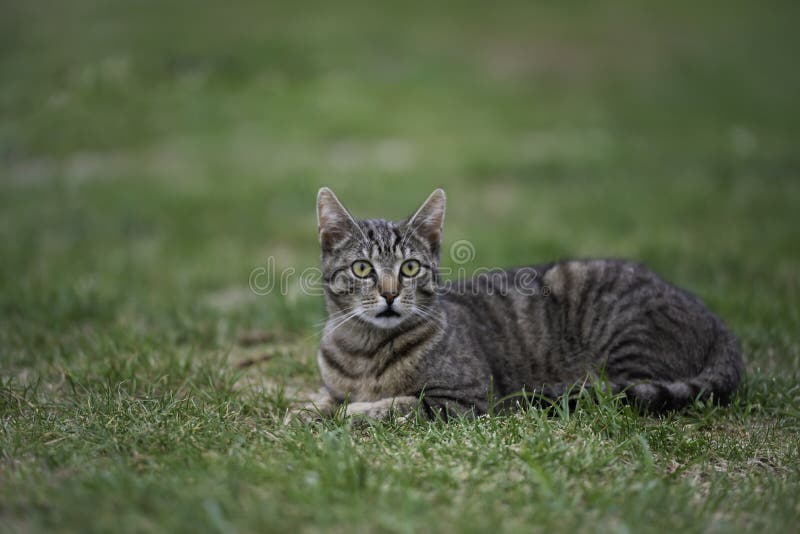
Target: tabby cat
398, 339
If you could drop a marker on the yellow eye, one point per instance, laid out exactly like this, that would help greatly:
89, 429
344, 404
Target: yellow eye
361, 268
410, 268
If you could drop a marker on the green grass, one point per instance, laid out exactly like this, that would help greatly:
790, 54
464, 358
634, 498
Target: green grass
152, 154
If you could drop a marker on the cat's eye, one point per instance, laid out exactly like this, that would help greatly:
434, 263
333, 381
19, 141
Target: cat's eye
361, 268
409, 268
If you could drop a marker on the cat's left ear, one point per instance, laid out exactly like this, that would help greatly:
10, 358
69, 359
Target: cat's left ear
428, 220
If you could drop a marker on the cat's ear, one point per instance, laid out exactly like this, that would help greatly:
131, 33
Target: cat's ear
428, 220
333, 220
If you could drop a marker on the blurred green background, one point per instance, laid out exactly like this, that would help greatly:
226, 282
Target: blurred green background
152, 154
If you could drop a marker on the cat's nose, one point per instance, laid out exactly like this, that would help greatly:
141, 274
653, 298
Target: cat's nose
389, 297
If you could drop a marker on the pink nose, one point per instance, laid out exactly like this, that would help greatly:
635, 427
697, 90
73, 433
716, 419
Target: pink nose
389, 297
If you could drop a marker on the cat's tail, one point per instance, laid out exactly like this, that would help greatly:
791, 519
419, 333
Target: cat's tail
717, 381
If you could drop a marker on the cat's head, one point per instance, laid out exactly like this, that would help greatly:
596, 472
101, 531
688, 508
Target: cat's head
382, 272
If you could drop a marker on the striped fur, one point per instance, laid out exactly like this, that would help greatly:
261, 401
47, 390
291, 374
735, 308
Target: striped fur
459, 349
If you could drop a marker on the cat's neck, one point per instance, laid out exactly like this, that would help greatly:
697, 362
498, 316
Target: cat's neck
362, 337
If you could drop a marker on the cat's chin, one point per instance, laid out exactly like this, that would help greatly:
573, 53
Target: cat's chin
386, 321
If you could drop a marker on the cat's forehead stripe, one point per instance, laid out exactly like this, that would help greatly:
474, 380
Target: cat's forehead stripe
384, 237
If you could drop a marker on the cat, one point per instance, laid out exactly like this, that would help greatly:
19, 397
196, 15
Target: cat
400, 341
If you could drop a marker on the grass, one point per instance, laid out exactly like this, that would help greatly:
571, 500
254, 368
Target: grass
154, 154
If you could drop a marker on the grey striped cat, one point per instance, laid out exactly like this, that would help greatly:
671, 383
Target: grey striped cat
398, 339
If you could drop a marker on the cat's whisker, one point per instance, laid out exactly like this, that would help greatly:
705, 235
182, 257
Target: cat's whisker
341, 323
428, 308
336, 314
434, 318
338, 319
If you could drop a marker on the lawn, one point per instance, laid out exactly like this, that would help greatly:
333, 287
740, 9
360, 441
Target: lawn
154, 155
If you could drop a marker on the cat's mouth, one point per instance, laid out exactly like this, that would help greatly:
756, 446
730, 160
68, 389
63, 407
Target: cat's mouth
388, 312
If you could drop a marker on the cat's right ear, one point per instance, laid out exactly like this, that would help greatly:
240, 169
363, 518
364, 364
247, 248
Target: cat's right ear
333, 220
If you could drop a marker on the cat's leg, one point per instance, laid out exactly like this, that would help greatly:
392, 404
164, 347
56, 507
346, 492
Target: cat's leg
383, 409
320, 404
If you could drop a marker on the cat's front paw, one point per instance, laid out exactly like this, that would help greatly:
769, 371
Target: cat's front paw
369, 410
382, 410
319, 406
